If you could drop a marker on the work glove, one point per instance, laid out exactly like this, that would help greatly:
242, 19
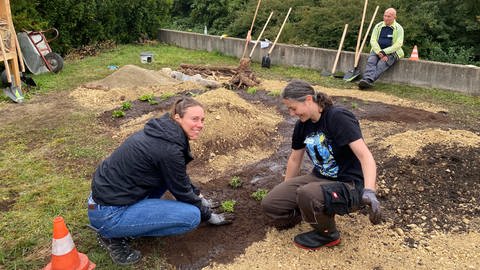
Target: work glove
221, 219
208, 203
375, 213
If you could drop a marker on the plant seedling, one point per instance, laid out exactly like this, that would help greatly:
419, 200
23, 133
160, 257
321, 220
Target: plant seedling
274, 93
259, 194
127, 105
152, 102
354, 105
146, 97
228, 206
166, 96
118, 113
235, 182
252, 90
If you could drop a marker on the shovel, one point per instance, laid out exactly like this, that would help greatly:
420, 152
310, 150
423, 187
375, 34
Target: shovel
13, 92
250, 31
353, 73
338, 54
260, 36
266, 59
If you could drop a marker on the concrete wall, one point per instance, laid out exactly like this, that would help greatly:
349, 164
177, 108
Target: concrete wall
459, 78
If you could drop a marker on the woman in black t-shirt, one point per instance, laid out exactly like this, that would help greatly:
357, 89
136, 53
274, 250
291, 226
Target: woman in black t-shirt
343, 174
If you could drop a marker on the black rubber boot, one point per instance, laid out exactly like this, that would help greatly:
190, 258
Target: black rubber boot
315, 239
119, 250
364, 85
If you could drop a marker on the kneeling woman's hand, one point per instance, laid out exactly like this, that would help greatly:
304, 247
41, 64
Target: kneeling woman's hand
369, 198
209, 203
221, 219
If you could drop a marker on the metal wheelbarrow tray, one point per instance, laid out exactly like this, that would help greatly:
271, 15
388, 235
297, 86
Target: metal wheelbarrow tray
37, 54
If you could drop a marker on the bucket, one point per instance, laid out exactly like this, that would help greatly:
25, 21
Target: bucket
146, 57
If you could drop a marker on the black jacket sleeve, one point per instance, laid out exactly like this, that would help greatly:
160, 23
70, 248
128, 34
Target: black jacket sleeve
178, 183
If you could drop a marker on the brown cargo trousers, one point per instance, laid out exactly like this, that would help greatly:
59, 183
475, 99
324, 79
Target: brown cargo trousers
300, 196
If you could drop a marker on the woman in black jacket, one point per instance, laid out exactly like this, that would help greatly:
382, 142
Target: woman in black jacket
128, 185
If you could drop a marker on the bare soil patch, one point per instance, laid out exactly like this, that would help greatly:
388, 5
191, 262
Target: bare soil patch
434, 192
428, 175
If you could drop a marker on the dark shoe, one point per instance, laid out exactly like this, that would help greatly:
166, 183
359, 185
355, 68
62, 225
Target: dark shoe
314, 240
364, 84
120, 251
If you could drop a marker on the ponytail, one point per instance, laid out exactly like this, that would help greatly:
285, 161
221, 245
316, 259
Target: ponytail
181, 105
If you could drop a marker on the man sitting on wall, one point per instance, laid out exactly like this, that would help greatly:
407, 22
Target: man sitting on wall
386, 41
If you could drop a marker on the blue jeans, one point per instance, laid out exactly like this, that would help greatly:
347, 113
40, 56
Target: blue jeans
148, 217
375, 67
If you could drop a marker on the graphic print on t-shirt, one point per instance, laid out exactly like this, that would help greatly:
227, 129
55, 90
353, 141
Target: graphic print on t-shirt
320, 152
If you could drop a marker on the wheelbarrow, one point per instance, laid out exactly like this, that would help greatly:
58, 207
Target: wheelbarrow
37, 54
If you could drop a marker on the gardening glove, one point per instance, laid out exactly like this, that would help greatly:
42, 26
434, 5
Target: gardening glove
208, 203
221, 219
375, 213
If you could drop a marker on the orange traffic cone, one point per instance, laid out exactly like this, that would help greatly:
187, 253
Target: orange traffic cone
414, 55
64, 253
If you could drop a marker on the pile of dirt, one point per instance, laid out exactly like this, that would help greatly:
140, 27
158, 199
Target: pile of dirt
131, 76
409, 143
248, 132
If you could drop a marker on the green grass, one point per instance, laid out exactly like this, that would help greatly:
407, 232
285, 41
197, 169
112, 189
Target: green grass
47, 158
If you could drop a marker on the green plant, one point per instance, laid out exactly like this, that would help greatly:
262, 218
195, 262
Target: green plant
118, 113
152, 102
259, 194
127, 105
354, 105
228, 206
252, 90
235, 182
146, 97
274, 93
166, 96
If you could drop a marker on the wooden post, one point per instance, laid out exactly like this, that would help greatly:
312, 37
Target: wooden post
11, 56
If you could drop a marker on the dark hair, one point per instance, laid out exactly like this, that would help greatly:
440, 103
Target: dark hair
181, 105
299, 90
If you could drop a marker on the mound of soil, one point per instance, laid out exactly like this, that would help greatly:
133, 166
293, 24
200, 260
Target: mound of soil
436, 191
131, 76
